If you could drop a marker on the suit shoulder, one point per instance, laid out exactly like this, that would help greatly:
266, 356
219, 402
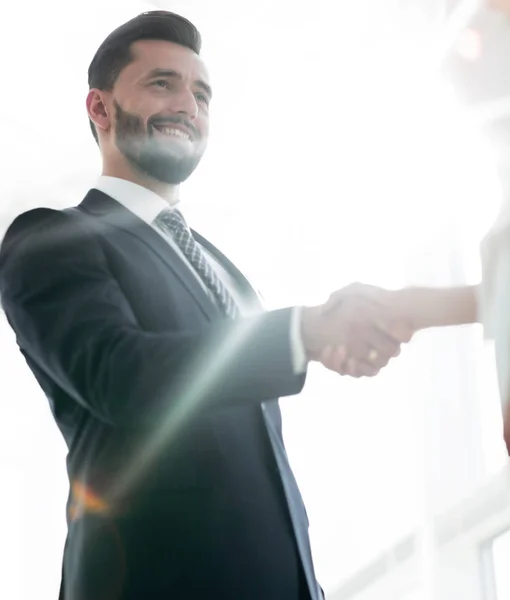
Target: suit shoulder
39, 226
31, 219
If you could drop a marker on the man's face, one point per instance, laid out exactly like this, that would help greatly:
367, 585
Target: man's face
159, 108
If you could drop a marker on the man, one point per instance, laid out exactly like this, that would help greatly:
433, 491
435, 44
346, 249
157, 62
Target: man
161, 368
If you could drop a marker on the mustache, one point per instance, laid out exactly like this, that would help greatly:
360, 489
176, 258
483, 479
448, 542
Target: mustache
175, 120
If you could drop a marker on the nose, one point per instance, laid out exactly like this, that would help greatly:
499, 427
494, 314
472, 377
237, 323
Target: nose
184, 103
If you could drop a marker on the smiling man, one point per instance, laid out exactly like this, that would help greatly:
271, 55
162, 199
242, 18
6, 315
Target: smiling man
150, 145
162, 369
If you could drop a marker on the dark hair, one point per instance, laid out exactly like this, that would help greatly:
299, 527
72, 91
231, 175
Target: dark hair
115, 52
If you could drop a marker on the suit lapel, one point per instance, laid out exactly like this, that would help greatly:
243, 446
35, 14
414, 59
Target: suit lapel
242, 282
106, 209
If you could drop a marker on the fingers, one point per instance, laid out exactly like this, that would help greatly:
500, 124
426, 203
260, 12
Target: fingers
378, 348
371, 337
368, 363
335, 359
361, 330
397, 329
360, 368
380, 303
360, 291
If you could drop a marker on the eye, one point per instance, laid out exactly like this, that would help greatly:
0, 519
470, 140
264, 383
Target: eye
161, 83
202, 98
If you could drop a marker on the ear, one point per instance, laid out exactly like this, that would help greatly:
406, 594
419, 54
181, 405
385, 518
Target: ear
97, 109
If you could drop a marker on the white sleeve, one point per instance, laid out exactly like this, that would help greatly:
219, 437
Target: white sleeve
494, 302
299, 359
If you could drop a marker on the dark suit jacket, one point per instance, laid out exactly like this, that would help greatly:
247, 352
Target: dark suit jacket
180, 484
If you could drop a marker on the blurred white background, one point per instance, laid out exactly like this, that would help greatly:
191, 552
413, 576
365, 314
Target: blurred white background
337, 154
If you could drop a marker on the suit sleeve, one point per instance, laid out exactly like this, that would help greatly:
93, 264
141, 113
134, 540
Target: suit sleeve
72, 319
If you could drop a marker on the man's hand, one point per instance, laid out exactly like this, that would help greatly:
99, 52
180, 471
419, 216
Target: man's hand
356, 332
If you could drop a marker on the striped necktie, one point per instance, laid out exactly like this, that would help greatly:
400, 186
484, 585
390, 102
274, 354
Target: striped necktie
172, 223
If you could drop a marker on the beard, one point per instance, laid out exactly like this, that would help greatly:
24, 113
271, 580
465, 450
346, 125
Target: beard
166, 161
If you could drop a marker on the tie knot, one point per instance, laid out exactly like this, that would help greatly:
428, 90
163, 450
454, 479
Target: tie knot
173, 219
174, 225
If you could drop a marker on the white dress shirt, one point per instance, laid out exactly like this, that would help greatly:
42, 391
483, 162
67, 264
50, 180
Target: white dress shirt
146, 205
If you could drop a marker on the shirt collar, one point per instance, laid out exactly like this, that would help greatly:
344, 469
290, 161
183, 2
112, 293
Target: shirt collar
142, 202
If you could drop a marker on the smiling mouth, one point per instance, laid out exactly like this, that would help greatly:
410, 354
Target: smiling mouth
170, 131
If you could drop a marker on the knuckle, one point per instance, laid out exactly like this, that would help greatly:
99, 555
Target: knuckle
385, 361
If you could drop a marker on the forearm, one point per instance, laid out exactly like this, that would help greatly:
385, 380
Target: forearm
126, 376
438, 307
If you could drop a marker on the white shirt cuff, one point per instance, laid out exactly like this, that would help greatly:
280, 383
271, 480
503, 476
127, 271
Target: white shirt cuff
299, 359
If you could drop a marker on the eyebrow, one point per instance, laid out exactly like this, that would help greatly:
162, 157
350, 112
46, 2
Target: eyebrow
176, 75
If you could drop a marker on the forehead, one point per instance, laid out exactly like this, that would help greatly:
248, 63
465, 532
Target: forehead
158, 54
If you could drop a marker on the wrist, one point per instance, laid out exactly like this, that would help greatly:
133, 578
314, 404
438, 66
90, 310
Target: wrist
424, 308
411, 305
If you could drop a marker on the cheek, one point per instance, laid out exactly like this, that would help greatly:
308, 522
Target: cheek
203, 127
143, 108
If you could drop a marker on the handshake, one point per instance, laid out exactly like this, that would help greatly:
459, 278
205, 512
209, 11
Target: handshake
361, 327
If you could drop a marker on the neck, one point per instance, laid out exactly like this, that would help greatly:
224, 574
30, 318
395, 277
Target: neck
167, 191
